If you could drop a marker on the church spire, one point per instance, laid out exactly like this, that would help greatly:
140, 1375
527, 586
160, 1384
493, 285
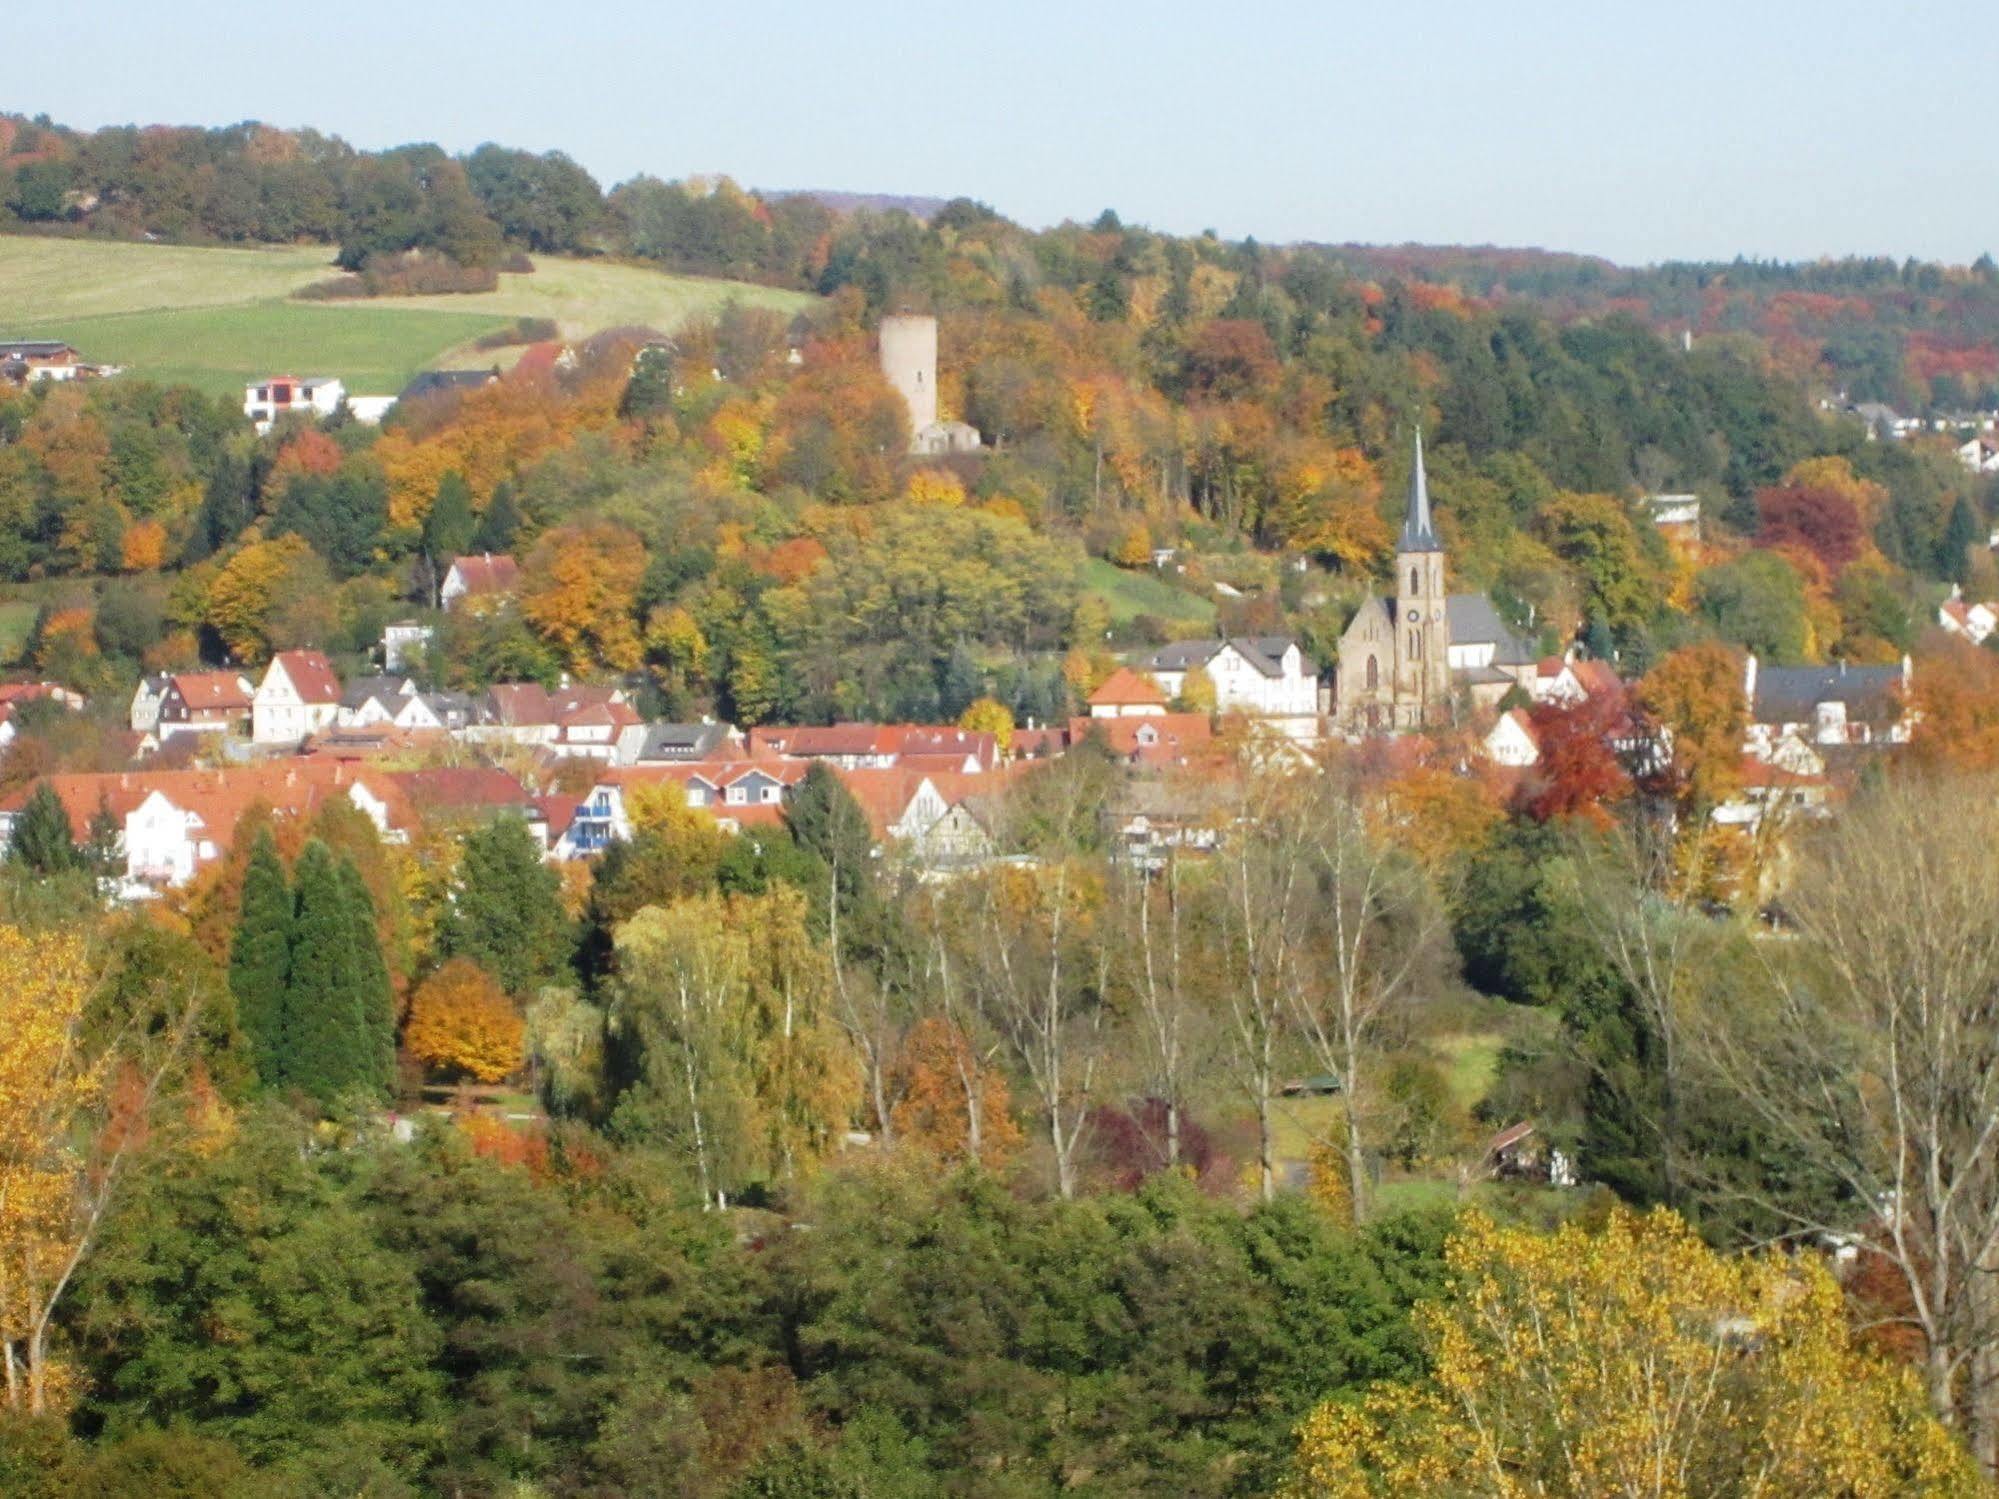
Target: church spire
1418, 535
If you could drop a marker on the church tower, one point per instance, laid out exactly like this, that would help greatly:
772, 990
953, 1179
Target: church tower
1423, 631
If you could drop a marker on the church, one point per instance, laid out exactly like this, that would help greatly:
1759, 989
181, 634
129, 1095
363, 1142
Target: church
1411, 659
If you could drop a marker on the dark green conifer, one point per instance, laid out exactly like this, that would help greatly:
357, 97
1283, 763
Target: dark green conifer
377, 994
260, 957
326, 1050
42, 840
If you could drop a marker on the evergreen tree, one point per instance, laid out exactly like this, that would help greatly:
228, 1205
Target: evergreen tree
508, 914
500, 524
326, 1045
449, 528
964, 681
827, 822
1960, 534
260, 957
649, 392
42, 841
377, 993
226, 508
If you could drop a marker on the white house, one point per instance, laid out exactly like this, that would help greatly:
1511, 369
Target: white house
402, 641
1511, 741
1822, 705
315, 396
1980, 454
299, 696
1973, 621
1268, 676
146, 700
484, 577
372, 700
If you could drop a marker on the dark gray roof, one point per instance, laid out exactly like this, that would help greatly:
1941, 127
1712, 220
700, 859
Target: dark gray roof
1264, 652
1418, 534
432, 382
680, 741
1788, 694
388, 689
1473, 621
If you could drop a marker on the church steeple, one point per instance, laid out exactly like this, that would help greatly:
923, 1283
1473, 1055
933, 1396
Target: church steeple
1418, 535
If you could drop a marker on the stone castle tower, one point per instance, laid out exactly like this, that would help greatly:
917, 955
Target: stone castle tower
909, 360
1423, 667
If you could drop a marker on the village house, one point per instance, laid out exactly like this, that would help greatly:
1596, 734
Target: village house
299, 696
24, 360
1155, 740
869, 746
144, 715
1827, 705
676, 743
480, 582
1980, 453
582, 722
447, 383
201, 702
1267, 677
367, 700
314, 396
1511, 741
1126, 694
1678, 516
1973, 621
404, 642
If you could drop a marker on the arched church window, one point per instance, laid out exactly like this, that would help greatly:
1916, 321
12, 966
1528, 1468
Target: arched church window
1415, 646
1373, 674
1414, 586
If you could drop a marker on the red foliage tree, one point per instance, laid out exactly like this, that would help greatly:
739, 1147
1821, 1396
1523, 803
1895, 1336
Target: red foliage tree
1579, 770
1823, 521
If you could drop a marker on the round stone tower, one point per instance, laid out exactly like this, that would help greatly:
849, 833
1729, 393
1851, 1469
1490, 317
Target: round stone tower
909, 359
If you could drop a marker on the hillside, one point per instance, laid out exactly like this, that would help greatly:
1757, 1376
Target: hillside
215, 318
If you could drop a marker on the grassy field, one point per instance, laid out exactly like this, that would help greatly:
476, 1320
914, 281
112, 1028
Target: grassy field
218, 318
1130, 594
17, 623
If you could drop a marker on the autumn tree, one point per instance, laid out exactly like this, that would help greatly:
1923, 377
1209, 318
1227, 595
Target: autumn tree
71, 1111
939, 1081
462, 1023
1696, 692
1822, 520
989, 716
579, 591
1869, 1052
1631, 1360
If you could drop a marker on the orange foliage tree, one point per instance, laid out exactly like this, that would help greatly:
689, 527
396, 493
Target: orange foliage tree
461, 1023
935, 1078
1955, 691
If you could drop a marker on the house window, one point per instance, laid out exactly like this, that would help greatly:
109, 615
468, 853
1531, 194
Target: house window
770, 793
737, 796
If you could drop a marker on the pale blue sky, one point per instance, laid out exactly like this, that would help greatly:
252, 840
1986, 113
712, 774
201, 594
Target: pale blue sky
1672, 130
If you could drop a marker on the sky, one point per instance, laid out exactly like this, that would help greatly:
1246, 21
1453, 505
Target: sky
1682, 130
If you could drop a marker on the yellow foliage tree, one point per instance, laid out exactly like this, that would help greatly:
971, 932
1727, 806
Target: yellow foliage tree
245, 593
143, 547
579, 588
1632, 1361
460, 1022
938, 1081
988, 715
63, 1137
934, 486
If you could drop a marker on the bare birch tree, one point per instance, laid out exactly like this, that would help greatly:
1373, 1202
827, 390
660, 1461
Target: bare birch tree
1370, 941
1874, 1054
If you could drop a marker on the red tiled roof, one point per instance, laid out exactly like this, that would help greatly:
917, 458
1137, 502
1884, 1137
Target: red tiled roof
1126, 688
218, 797
1150, 738
312, 675
1598, 678
213, 691
489, 572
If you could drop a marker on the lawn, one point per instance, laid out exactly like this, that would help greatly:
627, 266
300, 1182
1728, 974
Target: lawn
1130, 594
17, 623
218, 318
